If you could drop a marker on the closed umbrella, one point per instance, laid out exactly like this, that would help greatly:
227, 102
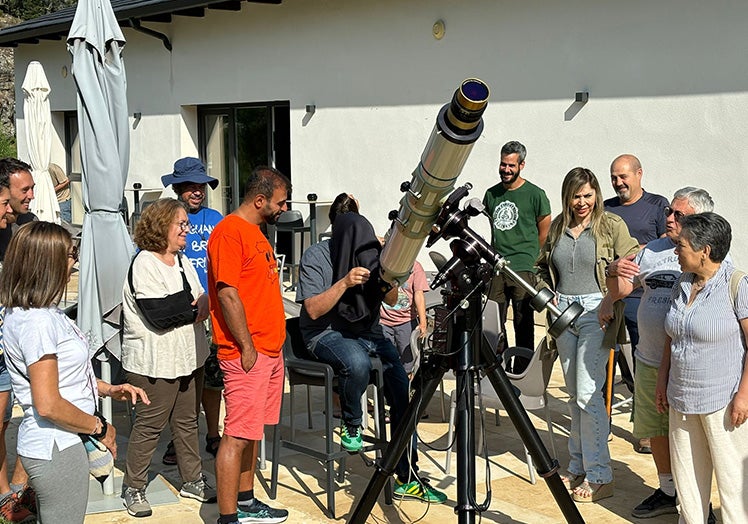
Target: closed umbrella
38, 121
96, 42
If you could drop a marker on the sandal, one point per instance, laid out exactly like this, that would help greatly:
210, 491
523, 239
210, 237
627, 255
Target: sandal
211, 444
591, 492
570, 480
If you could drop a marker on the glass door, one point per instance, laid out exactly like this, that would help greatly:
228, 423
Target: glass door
236, 139
218, 160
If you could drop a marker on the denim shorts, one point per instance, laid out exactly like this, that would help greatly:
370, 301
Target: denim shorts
6, 387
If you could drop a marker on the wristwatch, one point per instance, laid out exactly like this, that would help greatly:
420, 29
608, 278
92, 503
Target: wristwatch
101, 434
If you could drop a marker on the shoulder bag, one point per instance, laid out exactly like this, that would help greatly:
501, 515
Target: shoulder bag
171, 311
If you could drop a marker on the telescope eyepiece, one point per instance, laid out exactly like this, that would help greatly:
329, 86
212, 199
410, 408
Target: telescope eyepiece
467, 106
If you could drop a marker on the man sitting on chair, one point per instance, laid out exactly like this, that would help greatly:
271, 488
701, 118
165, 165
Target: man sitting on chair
339, 322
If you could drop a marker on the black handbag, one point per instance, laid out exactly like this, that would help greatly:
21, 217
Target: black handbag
171, 311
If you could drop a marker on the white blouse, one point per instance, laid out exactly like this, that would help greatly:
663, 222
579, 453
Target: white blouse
153, 353
29, 335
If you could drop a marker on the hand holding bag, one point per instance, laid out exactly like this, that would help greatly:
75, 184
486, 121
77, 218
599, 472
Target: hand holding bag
100, 459
171, 311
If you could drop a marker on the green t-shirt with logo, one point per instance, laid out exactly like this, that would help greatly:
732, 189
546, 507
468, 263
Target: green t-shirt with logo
514, 222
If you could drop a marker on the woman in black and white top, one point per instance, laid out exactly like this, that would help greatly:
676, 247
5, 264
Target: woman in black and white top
166, 363
50, 368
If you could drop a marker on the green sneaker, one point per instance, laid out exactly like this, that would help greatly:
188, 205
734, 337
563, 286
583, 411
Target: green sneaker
350, 437
418, 489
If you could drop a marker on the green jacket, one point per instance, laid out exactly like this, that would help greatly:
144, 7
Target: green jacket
618, 243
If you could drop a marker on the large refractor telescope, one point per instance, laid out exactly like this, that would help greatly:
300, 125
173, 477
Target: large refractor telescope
458, 127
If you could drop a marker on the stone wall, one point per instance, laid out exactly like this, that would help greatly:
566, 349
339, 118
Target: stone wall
7, 88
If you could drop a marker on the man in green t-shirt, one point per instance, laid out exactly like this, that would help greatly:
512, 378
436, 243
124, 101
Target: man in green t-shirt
520, 217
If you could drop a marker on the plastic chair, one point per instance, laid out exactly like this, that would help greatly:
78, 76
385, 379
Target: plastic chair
292, 222
491, 336
304, 371
530, 373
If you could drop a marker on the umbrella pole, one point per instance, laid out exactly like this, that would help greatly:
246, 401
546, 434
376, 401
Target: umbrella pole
106, 410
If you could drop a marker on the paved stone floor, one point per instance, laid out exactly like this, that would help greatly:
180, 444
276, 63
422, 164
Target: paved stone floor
513, 498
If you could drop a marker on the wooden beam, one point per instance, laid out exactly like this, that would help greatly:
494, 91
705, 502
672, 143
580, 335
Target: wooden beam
233, 5
163, 18
197, 12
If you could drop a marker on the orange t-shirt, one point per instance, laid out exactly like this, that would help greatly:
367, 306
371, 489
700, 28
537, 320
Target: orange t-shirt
240, 256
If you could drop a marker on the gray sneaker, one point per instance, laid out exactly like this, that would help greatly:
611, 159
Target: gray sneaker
136, 503
198, 490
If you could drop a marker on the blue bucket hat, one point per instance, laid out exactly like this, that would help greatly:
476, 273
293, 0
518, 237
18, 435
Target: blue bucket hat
189, 170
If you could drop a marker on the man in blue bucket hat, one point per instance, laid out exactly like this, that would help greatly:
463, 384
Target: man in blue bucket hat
189, 180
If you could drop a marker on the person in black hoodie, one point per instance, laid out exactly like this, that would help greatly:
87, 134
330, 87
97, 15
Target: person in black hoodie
341, 293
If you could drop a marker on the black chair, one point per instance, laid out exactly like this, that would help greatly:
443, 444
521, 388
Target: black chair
301, 370
291, 222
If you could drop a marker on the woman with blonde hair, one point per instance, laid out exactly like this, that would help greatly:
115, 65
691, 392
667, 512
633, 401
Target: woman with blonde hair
50, 368
166, 361
582, 241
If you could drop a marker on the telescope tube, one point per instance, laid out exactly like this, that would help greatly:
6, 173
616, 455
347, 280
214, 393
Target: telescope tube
458, 127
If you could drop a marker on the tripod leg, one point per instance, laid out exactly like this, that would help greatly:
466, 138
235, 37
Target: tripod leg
545, 465
464, 428
432, 372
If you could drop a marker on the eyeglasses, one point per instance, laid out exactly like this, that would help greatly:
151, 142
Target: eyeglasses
193, 188
670, 211
73, 254
184, 225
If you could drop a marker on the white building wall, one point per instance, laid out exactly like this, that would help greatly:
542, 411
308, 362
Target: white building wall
667, 82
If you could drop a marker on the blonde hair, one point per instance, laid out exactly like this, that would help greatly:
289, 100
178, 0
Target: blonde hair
573, 182
35, 269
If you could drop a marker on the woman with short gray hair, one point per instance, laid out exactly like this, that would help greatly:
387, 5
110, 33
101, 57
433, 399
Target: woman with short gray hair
703, 378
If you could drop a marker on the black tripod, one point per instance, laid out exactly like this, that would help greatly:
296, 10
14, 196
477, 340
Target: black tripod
459, 347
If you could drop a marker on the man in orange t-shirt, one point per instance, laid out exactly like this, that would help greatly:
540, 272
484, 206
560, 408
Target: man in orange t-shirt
249, 328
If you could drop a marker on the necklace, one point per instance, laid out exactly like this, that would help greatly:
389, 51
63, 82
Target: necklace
699, 285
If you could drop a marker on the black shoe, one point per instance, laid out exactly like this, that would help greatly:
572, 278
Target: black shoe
170, 455
261, 513
211, 445
712, 518
657, 503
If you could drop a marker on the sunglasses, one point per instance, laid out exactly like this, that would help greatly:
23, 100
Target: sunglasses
670, 211
74, 253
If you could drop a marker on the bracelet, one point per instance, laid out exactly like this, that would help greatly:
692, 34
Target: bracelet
102, 433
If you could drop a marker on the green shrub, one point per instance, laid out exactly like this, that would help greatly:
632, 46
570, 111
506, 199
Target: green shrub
7, 146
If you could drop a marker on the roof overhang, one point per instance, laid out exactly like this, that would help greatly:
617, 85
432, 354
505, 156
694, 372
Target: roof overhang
55, 26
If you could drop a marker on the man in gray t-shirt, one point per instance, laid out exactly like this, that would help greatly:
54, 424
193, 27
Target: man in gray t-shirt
655, 270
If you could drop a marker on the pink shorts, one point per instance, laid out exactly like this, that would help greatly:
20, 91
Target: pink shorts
253, 399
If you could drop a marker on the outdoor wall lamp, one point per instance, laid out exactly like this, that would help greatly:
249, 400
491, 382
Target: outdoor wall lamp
582, 97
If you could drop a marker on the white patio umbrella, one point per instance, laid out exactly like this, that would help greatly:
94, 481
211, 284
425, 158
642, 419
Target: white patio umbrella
38, 121
96, 42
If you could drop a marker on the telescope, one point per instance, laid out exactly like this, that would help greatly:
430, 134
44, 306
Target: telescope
458, 127
430, 208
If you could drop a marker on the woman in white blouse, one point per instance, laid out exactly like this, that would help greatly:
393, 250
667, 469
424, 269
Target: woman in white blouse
49, 365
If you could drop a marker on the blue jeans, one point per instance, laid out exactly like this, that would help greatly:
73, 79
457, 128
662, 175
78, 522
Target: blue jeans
348, 355
66, 211
583, 360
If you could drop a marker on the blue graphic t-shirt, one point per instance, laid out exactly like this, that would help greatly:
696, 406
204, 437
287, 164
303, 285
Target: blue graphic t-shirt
202, 223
